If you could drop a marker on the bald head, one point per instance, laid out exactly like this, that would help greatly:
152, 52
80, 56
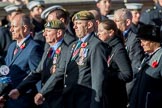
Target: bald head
96, 14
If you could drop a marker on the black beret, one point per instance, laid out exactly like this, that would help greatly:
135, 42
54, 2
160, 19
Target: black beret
149, 32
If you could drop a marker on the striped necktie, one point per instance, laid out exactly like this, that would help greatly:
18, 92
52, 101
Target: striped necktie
76, 50
50, 51
16, 50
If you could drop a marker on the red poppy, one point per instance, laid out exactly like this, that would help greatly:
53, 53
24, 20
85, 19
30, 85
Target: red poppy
22, 46
58, 51
83, 45
154, 64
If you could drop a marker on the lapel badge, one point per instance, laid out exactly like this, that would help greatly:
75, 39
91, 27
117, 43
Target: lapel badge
154, 64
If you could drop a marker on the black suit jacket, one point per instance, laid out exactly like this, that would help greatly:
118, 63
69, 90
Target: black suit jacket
83, 80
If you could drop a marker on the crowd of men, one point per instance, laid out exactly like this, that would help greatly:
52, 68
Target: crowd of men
55, 59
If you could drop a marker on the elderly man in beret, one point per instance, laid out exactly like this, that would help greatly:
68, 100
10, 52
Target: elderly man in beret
85, 67
53, 13
147, 90
53, 62
36, 8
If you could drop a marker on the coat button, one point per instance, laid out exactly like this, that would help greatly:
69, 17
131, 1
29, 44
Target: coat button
66, 75
65, 86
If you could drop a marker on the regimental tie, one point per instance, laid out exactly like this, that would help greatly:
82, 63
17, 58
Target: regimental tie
16, 50
50, 51
76, 50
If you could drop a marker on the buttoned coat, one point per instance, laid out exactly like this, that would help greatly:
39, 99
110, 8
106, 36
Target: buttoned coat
20, 65
120, 72
83, 83
147, 91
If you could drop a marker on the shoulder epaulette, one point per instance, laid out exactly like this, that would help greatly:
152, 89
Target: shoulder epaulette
151, 9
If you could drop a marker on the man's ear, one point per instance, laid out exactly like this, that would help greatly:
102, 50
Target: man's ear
128, 22
59, 33
25, 28
90, 24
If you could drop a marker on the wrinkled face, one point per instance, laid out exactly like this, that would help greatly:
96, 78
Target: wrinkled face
103, 34
50, 35
147, 45
36, 12
121, 24
104, 7
81, 28
17, 29
135, 16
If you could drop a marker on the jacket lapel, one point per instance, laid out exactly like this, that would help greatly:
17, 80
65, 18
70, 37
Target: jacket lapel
14, 57
59, 57
70, 51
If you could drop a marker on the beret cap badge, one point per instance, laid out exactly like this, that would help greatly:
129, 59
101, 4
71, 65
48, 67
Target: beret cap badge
55, 24
83, 15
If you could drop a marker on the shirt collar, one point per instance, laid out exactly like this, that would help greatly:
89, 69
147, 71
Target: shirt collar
154, 51
125, 33
22, 41
55, 46
84, 38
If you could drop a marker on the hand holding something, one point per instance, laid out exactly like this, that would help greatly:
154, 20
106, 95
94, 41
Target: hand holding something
38, 99
14, 94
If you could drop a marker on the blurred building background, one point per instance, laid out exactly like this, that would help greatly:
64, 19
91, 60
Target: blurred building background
74, 5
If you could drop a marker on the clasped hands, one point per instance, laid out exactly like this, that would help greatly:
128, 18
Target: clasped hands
14, 94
